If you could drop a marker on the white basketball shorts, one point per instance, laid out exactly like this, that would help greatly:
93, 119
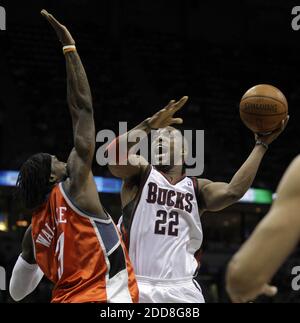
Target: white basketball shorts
185, 290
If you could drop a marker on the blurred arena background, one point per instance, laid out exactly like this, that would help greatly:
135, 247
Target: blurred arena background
138, 55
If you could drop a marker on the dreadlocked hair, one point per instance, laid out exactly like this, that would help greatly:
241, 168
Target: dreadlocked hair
33, 181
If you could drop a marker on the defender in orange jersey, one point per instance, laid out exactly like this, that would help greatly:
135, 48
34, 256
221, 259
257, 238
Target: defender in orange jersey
72, 240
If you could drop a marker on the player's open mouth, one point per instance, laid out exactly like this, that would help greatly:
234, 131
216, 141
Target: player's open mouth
161, 151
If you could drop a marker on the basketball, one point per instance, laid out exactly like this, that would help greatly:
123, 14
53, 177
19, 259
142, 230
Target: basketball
262, 108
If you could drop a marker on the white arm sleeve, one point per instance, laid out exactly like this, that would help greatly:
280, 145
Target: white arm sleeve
25, 278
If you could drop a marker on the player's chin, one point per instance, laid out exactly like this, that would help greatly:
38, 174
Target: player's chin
162, 164
159, 160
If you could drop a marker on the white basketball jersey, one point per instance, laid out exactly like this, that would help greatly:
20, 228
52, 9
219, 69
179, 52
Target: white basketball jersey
165, 229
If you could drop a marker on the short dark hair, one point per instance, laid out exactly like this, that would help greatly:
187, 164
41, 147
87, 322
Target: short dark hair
33, 183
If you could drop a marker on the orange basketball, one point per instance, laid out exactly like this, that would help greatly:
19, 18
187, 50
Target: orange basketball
262, 108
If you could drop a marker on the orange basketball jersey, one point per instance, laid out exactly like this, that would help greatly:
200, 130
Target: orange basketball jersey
82, 255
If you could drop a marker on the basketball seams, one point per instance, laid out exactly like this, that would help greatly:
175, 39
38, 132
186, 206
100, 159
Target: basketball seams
264, 115
263, 96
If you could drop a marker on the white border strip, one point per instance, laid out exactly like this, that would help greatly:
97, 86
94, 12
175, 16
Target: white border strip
114, 247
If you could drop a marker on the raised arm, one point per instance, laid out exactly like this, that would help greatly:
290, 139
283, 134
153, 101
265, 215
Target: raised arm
216, 196
128, 164
254, 265
80, 106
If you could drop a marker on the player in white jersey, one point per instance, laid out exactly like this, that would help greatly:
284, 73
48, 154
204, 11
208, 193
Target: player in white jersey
162, 207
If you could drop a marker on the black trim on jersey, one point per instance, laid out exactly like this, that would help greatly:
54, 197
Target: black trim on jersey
197, 191
197, 285
197, 194
196, 255
128, 211
124, 234
117, 261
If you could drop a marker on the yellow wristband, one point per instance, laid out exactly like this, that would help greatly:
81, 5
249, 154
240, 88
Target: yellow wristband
69, 48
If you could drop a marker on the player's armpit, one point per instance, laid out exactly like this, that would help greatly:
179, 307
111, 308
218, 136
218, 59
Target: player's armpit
79, 170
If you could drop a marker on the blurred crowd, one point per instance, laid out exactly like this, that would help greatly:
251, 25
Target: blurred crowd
130, 81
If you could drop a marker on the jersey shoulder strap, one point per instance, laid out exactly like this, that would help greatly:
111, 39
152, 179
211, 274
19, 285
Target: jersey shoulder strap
197, 190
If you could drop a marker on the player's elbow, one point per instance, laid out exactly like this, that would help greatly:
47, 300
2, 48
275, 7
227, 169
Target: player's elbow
240, 282
237, 281
15, 297
234, 194
216, 200
234, 277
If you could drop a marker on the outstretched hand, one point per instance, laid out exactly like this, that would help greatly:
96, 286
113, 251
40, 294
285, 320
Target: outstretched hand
268, 139
62, 32
164, 117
